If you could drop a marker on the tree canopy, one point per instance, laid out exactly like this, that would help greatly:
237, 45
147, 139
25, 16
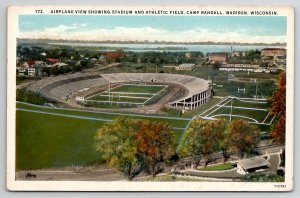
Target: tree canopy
205, 137
278, 109
243, 137
132, 145
155, 144
202, 139
116, 141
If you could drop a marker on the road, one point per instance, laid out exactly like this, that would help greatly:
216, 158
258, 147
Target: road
83, 175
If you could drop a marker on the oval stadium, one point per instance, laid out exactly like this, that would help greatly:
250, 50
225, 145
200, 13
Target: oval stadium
125, 90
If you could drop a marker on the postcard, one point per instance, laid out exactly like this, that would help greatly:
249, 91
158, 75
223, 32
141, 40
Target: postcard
150, 98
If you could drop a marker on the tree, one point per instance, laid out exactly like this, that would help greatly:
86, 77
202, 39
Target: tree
278, 109
54, 71
202, 139
118, 144
244, 137
156, 144
216, 65
225, 143
132, 145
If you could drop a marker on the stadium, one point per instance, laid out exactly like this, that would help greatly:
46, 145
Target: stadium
125, 90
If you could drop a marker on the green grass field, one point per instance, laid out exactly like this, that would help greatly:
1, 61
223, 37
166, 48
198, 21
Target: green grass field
220, 167
118, 99
47, 141
180, 123
128, 96
258, 114
138, 88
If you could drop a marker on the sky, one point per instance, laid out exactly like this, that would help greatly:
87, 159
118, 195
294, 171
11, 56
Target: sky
245, 29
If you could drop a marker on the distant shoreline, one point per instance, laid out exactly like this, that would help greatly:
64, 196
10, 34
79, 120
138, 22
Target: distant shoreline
46, 41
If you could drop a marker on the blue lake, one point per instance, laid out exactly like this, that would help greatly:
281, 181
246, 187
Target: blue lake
169, 47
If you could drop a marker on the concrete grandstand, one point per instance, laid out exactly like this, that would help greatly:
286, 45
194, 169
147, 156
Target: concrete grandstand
64, 87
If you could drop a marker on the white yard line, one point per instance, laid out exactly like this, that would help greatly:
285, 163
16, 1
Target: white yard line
266, 117
129, 93
219, 107
213, 106
239, 116
116, 102
116, 96
249, 100
165, 86
246, 108
272, 120
145, 85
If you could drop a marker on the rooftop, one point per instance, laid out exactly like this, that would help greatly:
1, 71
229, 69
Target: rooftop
187, 65
253, 163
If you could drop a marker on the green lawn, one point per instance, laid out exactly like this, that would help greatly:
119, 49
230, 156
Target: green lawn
118, 99
44, 141
220, 167
175, 123
171, 178
138, 89
251, 104
110, 106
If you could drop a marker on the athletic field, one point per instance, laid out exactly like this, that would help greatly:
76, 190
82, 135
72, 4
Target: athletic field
128, 95
255, 111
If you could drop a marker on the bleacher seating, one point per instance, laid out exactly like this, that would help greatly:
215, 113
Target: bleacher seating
66, 86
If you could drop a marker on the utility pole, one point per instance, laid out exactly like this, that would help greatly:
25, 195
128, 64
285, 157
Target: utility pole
231, 111
83, 101
256, 89
109, 93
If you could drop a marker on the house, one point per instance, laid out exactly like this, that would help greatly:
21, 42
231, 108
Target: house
188, 55
102, 58
185, 67
43, 54
31, 71
217, 57
252, 165
235, 54
79, 98
18, 59
53, 60
30, 63
21, 71
25, 64
114, 56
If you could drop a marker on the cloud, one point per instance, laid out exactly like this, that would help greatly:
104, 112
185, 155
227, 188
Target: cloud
83, 32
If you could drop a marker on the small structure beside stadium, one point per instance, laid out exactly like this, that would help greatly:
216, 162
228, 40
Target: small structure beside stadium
252, 165
185, 67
